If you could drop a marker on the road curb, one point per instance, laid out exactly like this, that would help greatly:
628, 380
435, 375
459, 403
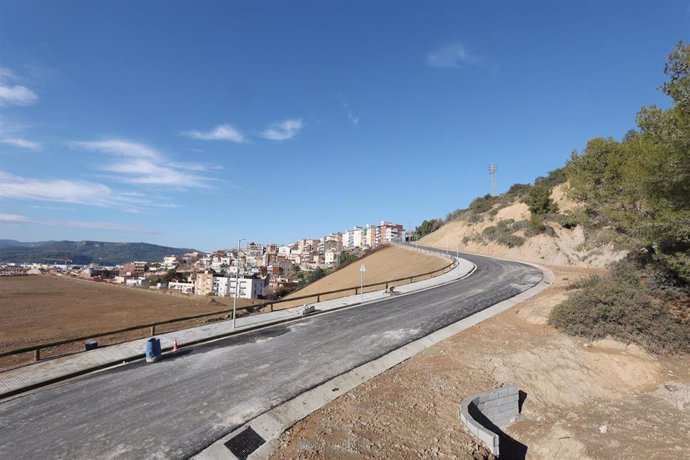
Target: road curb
273, 423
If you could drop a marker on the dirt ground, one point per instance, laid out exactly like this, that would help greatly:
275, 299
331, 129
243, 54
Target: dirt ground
40, 309
584, 400
381, 266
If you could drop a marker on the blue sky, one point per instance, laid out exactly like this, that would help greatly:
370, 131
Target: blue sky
194, 123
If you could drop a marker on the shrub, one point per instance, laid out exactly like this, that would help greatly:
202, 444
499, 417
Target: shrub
554, 178
456, 215
569, 221
539, 200
512, 241
617, 305
535, 225
482, 204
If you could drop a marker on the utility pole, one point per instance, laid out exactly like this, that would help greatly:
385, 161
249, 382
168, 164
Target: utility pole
492, 173
237, 285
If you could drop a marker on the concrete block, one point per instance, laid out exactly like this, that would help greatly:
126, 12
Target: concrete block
486, 396
491, 404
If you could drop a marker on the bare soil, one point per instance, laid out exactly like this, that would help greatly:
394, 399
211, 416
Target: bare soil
41, 309
584, 400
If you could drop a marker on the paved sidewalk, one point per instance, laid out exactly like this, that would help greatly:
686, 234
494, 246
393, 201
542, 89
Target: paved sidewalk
53, 370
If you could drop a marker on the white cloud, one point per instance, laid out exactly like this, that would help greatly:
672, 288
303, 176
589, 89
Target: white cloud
14, 94
145, 165
120, 148
21, 143
282, 131
60, 190
454, 55
12, 218
224, 132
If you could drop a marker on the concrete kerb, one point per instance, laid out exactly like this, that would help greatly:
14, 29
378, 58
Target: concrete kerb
31, 377
272, 423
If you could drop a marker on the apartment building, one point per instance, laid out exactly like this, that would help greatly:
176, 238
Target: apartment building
249, 288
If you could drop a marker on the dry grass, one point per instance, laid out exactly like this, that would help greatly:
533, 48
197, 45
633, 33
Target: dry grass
381, 266
40, 309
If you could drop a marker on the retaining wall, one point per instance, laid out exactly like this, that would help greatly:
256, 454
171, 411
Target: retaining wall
482, 413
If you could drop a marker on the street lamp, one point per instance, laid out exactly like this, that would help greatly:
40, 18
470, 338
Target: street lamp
237, 285
361, 282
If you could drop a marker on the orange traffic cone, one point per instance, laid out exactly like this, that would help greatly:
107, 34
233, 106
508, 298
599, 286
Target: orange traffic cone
175, 348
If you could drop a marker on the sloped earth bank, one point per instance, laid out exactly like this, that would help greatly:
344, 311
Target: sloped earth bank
565, 248
584, 400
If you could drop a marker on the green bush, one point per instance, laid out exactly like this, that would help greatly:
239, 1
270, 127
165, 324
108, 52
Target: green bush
482, 204
618, 305
512, 241
535, 225
554, 178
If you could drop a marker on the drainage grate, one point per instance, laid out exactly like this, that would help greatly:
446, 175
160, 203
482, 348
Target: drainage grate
245, 443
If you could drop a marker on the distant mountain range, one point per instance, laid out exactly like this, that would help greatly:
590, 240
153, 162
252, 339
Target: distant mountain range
83, 252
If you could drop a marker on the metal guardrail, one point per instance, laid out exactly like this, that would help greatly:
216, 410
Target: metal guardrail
151, 327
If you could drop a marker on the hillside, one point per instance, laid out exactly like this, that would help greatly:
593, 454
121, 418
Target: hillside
381, 266
83, 252
486, 233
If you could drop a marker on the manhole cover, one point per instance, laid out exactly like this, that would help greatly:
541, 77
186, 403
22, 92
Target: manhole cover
245, 443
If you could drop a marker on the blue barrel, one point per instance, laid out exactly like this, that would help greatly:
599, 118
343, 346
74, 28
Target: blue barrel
153, 350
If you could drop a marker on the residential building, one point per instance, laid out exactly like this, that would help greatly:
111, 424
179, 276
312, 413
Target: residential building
249, 288
203, 284
133, 269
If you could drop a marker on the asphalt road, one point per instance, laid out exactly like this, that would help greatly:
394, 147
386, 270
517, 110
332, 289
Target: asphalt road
177, 407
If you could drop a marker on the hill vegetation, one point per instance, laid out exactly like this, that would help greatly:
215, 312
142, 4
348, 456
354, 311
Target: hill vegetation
83, 252
632, 195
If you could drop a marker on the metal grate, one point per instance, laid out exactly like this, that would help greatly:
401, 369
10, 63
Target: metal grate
245, 443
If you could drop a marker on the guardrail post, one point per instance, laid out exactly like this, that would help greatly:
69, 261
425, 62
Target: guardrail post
318, 298
153, 330
37, 354
271, 306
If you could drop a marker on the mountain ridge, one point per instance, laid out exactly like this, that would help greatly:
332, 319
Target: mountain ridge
83, 252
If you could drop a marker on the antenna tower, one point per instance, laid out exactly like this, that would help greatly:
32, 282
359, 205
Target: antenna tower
492, 173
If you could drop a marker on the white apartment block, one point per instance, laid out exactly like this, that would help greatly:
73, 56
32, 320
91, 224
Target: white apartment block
357, 237
249, 288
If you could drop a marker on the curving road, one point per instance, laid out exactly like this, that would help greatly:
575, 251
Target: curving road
177, 407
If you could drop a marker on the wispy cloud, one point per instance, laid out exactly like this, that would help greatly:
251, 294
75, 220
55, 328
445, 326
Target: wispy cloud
141, 164
224, 132
354, 119
453, 55
104, 226
61, 190
12, 218
120, 148
283, 131
21, 143
11, 94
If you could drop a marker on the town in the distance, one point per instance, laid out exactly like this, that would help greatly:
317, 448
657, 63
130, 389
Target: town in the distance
250, 270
